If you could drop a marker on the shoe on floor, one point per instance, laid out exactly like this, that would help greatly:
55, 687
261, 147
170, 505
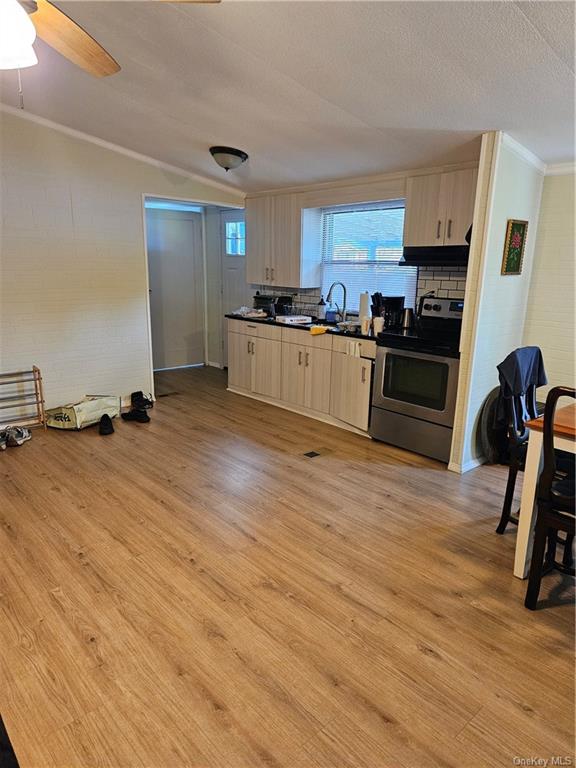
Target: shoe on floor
17, 435
136, 415
3, 440
106, 427
140, 402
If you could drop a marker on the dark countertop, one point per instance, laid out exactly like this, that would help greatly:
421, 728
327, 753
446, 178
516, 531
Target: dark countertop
332, 328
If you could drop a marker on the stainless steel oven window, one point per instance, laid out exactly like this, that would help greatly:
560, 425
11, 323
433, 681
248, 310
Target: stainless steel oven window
416, 381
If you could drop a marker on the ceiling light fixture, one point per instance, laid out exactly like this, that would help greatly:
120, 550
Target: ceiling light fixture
17, 33
228, 157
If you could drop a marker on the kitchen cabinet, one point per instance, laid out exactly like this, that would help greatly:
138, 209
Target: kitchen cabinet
306, 376
239, 361
292, 374
265, 372
459, 194
319, 376
258, 218
350, 389
254, 361
283, 242
439, 208
317, 367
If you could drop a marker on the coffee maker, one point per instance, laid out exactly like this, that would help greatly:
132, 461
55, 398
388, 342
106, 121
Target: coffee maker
388, 307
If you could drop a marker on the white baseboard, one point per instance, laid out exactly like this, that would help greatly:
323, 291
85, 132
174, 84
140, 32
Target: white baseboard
467, 466
215, 365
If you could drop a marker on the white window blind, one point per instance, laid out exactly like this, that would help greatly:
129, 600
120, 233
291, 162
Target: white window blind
361, 247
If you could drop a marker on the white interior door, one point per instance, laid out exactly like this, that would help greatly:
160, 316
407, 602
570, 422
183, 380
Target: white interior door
175, 265
235, 290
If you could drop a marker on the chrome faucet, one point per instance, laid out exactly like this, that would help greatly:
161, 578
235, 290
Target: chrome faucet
341, 312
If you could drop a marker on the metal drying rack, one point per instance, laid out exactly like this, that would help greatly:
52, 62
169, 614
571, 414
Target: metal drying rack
27, 394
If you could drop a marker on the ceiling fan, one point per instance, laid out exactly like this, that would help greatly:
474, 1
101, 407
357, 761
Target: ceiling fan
58, 30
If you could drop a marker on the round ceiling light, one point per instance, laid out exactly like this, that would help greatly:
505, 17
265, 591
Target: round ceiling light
17, 33
228, 157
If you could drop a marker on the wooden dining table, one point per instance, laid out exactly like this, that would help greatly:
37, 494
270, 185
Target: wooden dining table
564, 440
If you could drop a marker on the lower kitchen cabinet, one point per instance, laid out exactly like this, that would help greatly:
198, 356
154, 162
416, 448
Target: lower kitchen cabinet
306, 377
254, 364
317, 367
239, 361
266, 357
293, 384
350, 389
318, 376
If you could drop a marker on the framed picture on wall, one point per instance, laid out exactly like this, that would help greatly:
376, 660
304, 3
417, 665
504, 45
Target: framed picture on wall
514, 247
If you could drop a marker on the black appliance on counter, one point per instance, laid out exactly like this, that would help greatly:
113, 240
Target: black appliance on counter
273, 305
388, 307
416, 379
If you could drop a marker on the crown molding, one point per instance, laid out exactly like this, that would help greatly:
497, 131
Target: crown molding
561, 169
120, 150
523, 152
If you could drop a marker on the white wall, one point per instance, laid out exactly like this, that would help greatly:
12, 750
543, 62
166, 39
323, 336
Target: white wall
550, 316
73, 282
509, 187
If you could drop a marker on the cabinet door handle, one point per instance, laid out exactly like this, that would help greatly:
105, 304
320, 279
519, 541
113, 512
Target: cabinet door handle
363, 374
438, 230
299, 357
267, 273
307, 359
248, 346
449, 228
272, 274
252, 347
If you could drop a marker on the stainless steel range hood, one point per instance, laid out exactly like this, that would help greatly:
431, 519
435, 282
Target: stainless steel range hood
435, 256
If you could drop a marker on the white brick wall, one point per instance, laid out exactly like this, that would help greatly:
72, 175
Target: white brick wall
496, 304
550, 314
73, 277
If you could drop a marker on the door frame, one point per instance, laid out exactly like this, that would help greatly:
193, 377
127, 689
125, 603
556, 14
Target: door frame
190, 201
222, 230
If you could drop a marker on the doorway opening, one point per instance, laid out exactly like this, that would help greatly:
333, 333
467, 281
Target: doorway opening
195, 256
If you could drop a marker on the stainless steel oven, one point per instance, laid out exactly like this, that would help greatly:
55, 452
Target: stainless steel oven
413, 401
416, 384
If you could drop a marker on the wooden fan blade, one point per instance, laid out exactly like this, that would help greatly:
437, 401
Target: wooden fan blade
70, 40
190, 1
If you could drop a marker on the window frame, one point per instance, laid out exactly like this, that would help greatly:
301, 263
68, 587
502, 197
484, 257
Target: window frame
372, 261
239, 239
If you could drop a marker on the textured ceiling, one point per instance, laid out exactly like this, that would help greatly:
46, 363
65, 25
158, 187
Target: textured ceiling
316, 90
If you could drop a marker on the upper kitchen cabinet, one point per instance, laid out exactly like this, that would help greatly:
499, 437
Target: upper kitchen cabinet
282, 242
258, 218
439, 208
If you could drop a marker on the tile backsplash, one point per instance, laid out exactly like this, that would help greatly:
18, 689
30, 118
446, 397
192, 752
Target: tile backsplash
446, 282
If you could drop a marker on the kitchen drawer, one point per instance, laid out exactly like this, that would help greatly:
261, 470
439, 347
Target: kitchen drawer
266, 331
258, 330
236, 326
345, 345
305, 339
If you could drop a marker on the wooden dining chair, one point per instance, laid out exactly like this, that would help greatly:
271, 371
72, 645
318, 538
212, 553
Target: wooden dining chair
555, 507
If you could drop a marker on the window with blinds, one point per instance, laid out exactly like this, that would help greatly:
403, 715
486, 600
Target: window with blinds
361, 247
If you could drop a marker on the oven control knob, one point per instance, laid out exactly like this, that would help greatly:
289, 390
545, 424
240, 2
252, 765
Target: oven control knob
436, 307
428, 307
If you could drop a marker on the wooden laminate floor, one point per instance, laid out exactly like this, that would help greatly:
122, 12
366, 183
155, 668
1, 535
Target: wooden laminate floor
196, 592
